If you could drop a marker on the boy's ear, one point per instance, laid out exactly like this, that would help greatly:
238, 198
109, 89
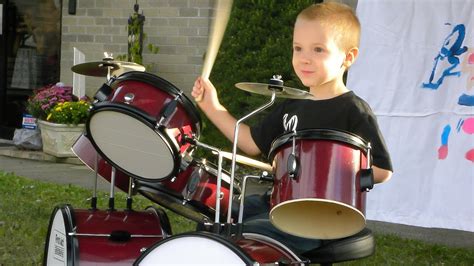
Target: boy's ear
351, 56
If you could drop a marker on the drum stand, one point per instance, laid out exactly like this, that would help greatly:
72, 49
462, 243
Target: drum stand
112, 191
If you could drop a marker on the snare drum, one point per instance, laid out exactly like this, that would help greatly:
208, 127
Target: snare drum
94, 237
323, 200
203, 248
140, 128
192, 193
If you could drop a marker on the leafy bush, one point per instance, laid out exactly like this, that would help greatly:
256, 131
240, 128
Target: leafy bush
257, 45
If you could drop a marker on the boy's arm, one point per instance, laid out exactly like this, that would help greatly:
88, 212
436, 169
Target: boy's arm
381, 175
206, 97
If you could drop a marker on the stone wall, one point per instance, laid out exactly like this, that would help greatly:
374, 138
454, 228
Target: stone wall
179, 28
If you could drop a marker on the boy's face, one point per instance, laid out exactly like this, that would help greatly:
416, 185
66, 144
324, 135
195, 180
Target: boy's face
317, 59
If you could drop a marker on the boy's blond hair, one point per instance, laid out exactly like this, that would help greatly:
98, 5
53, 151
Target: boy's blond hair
340, 18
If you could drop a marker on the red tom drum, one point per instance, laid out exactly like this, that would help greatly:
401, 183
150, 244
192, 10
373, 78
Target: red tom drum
193, 192
323, 200
84, 150
94, 237
140, 127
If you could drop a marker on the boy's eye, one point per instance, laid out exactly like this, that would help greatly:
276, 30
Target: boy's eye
296, 48
318, 49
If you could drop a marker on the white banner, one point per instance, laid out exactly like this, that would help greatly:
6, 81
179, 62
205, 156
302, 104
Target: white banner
416, 70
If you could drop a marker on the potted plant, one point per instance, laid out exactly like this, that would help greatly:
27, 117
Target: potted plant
61, 117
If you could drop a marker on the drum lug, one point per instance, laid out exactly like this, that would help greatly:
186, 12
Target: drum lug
128, 98
366, 179
293, 166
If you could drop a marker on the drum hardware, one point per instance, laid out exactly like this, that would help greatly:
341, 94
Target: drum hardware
129, 194
263, 177
168, 111
116, 236
292, 163
275, 87
105, 90
367, 175
219, 193
94, 191
128, 98
112, 191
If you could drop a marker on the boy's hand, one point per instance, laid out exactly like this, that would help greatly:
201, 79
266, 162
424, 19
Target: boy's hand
205, 94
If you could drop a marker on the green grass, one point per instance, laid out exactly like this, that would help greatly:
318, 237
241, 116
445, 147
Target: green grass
26, 206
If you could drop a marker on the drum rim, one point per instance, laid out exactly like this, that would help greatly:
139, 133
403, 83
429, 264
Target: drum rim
69, 223
318, 134
170, 88
147, 191
144, 118
318, 200
275, 243
235, 248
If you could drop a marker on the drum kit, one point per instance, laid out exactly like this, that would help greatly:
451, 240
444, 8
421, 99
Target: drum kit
141, 136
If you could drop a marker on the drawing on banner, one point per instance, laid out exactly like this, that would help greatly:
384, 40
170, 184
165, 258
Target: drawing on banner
445, 65
448, 58
463, 125
467, 98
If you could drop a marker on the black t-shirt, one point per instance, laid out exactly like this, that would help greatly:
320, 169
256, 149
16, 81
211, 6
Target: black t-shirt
346, 112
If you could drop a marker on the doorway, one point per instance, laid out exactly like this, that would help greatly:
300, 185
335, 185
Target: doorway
29, 56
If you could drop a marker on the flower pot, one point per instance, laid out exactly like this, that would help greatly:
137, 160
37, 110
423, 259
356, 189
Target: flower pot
59, 138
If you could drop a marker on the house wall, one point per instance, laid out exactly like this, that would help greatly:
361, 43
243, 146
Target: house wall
180, 29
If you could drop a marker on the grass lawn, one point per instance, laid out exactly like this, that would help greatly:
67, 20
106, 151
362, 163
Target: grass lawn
26, 206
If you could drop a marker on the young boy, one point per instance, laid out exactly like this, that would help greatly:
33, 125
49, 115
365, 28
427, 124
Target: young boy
325, 45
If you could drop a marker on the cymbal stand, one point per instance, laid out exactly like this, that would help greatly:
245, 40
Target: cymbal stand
112, 185
234, 149
94, 192
129, 194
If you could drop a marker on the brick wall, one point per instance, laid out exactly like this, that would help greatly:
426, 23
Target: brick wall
178, 27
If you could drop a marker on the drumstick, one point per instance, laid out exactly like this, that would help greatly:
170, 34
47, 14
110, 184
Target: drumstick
222, 9
248, 161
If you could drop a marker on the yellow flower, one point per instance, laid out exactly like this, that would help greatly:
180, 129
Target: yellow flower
49, 116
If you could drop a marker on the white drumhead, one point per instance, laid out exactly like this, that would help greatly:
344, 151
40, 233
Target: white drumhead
57, 246
191, 250
132, 145
317, 218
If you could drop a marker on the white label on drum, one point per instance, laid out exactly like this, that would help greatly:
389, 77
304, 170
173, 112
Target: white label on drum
57, 248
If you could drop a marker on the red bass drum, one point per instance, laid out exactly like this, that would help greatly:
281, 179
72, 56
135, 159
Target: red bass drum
93, 237
202, 248
323, 199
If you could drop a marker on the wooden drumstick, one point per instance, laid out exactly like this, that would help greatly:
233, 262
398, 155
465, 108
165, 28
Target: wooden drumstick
218, 26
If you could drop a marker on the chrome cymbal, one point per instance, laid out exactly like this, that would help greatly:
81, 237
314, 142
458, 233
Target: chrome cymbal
102, 68
280, 91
